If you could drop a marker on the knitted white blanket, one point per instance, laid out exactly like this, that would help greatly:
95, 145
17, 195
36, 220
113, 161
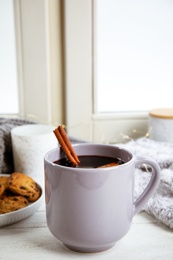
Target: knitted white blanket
6, 157
161, 203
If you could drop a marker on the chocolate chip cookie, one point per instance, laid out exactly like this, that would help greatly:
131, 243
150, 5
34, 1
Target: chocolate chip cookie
24, 185
12, 203
3, 184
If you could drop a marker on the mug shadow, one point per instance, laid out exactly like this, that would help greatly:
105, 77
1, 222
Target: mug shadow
55, 246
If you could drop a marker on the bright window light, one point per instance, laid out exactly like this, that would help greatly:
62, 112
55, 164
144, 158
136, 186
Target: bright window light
133, 55
8, 73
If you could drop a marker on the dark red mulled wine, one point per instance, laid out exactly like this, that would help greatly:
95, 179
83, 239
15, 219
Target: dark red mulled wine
91, 161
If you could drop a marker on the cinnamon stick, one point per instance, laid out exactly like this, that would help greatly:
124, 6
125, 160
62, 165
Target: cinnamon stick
66, 145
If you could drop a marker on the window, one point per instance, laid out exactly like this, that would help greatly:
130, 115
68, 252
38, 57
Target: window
133, 54
35, 53
8, 72
42, 39
82, 118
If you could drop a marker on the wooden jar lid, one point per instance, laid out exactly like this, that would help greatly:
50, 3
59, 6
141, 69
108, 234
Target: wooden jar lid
166, 113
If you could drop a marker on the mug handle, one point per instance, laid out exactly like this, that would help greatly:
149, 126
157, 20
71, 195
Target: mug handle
152, 185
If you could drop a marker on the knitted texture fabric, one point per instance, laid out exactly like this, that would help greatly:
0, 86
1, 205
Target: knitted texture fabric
6, 157
160, 205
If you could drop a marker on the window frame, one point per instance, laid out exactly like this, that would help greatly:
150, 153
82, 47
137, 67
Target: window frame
82, 119
38, 27
64, 37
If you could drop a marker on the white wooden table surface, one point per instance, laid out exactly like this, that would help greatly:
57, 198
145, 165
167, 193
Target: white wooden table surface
31, 239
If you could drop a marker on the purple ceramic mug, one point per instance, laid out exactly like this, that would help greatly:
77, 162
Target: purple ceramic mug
90, 209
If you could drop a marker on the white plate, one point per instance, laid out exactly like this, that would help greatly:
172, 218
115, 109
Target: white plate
20, 214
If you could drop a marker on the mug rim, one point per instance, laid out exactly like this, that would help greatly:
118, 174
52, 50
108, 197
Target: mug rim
86, 169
